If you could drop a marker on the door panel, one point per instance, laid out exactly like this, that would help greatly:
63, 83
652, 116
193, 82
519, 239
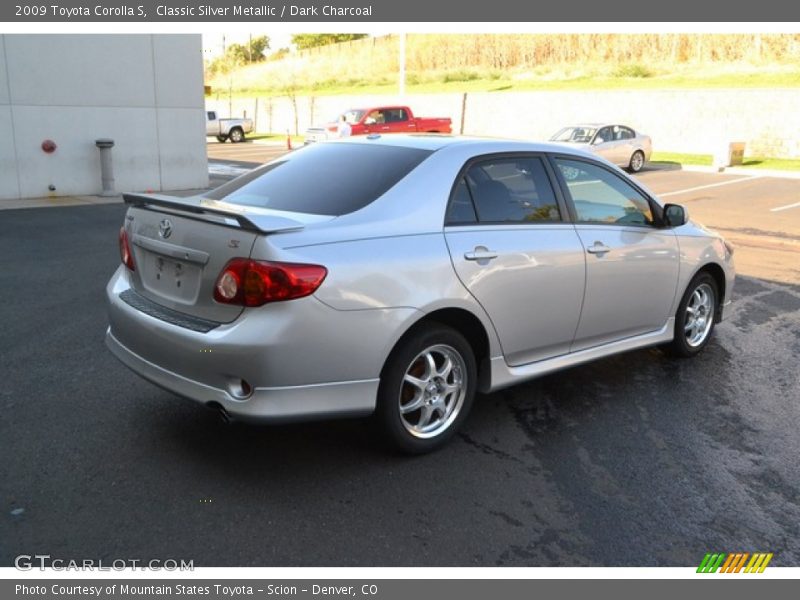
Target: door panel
606, 148
630, 287
532, 290
397, 120
512, 250
631, 264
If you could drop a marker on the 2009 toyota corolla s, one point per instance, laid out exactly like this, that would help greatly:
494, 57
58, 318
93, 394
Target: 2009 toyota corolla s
401, 275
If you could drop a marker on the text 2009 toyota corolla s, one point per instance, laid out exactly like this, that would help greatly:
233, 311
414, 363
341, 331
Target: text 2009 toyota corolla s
401, 275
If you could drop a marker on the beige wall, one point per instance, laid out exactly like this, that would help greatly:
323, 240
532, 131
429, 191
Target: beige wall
143, 91
694, 121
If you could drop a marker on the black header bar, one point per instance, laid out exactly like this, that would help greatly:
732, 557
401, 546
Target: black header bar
387, 11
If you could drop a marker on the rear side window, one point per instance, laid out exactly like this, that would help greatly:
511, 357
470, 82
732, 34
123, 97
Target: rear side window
394, 115
625, 134
324, 179
504, 190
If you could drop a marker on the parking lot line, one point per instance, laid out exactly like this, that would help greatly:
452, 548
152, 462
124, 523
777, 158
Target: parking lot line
710, 185
785, 207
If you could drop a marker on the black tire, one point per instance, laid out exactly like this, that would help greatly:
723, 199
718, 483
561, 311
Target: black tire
636, 163
222, 138
682, 345
237, 135
410, 354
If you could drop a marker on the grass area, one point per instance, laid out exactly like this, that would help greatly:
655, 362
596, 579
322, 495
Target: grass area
752, 162
780, 164
495, 81
684, 159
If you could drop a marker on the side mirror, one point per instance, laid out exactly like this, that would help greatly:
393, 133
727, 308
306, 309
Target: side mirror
598, 141
675, 215
370, 121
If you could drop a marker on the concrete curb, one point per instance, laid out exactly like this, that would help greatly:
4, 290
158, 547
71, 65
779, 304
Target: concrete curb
741, 171
280, 143
56, 201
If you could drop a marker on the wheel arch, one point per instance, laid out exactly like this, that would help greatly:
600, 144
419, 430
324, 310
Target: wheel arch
236, 128
718, 273
467, 324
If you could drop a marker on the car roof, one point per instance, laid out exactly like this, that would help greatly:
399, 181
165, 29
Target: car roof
434, 142
599, 125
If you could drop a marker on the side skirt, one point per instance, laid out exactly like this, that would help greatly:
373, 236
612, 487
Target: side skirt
504, 376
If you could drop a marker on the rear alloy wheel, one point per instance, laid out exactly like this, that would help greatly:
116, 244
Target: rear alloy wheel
637, 162
427, 389
694, 320
236, 135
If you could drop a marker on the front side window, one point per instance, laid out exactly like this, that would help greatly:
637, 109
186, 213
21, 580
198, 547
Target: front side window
504, 190
351, 116
601, 196
577, 135
376, 116
606, 134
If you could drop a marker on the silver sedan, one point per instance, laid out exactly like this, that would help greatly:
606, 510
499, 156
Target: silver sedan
401, 276
618, 144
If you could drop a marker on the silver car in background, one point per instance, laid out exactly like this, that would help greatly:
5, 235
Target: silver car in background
401, 275
616, 143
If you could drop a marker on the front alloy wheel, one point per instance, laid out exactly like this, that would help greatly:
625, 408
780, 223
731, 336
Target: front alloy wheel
699, 315
694, 320
427, 388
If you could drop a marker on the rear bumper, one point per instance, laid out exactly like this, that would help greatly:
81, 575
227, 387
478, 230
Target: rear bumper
300, 359
277, 404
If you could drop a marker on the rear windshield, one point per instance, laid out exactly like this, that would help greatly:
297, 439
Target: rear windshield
324, 179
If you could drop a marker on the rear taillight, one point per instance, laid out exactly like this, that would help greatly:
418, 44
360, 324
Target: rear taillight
254, 282
125, 249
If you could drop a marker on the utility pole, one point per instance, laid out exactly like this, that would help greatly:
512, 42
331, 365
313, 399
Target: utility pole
402, 82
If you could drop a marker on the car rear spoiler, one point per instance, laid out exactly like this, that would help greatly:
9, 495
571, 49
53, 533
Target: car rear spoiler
198, 206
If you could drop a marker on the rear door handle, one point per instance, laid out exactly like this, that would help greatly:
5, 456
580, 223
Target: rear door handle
480, 253
598, 248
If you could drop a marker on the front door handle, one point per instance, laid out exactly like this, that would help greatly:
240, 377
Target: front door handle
598, 248
480, 253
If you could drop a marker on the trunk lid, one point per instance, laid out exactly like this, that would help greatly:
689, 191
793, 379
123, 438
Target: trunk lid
180, 246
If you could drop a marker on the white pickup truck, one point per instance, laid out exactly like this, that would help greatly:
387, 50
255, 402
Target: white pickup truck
224, 129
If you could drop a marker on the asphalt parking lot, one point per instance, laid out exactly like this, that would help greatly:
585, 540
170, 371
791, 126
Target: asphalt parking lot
633, 460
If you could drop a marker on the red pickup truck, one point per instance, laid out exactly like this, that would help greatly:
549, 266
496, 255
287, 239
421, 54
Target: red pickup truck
383, 119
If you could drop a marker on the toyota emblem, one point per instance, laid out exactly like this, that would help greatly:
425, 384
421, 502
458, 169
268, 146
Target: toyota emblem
165, 228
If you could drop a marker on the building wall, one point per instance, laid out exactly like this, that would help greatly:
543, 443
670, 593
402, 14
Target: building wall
143, 91
693, 121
